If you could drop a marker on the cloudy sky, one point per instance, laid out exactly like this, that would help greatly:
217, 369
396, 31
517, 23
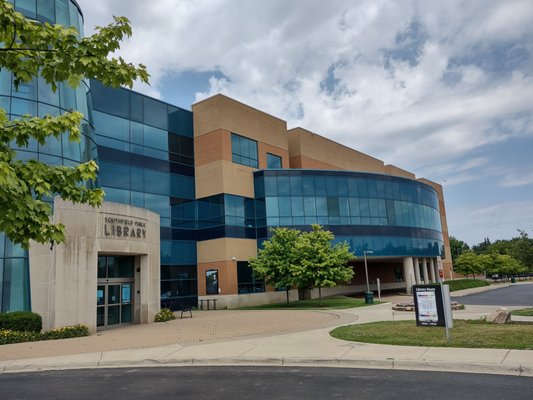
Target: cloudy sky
441, 88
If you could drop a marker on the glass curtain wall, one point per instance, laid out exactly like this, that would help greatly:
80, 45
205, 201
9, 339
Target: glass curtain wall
37, 98
390, 215
146, 157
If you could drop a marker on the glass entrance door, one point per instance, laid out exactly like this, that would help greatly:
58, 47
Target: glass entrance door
114, 300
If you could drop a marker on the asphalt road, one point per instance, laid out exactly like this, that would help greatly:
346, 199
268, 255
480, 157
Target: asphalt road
260, 383
514, 295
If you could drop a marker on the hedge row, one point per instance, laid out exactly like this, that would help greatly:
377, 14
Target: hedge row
21, 321
66, 332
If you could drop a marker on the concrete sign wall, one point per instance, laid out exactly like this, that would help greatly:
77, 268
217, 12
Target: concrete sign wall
63, 280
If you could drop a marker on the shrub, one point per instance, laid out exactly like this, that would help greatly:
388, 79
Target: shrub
66, 332
460, 284
164, 315
21, 321
7, 336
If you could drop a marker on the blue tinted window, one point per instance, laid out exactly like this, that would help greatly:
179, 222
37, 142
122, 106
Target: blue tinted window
284, 188
271, 186
156, 182
158, 204
308, 186
321, 206
5, 82
244, 151
297, 205
21, 106
284, 206
115, 175
180, 121
320, 186
116, 195
111, 126
26, 7
156, 138
309, 206
45, 11
51, 146
26, 90
74, 21
62, 12
155, 113
272, 209
71, 149
296, 186
67, 96
273, 161
342, 186
333, 206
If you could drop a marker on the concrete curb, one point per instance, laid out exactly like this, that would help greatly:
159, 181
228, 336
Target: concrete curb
474, 368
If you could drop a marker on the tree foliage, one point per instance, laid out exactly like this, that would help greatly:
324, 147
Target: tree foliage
276, 260
468, 263
29, 49
490, 263
303, 259
457, 247
519, 248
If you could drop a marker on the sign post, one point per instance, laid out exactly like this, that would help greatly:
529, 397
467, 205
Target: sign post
433, 306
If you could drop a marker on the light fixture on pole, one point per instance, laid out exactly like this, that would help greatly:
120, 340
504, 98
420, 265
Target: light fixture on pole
365, 252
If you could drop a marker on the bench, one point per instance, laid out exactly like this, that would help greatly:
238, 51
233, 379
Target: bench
186, 309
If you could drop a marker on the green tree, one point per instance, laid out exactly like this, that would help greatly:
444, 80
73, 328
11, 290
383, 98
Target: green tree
481, 247
303, 259
319, 262
275, 261
57, 54
501, 264
457, 247
468, 263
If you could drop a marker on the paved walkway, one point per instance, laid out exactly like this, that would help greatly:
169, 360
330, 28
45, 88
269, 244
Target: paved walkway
273, 337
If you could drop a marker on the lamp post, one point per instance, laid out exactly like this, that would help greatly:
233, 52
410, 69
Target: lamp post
368, 298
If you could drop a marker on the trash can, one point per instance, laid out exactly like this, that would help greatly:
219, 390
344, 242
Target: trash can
513, 279
369, 298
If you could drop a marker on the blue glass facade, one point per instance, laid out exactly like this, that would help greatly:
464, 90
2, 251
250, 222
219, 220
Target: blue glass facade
390, 215
37, 98
146, 155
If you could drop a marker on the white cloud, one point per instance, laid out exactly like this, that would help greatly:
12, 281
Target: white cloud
495, 222
424, 85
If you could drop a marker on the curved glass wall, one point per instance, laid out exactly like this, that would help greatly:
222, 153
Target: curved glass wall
37, 98
389, 215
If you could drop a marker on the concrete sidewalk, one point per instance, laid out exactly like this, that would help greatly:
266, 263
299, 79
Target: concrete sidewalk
281, 337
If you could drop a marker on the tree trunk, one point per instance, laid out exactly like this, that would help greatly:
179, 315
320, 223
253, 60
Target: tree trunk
320, 295
287, 292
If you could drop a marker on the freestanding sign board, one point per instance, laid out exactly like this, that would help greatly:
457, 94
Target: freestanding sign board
429, 307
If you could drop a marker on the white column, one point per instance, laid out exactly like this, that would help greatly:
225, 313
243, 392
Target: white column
425, 270
408, 274
417, 270
432, 270
436, 262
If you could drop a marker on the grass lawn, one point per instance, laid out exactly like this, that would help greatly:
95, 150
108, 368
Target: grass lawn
327, 303
460, 284
524, 312
469, 334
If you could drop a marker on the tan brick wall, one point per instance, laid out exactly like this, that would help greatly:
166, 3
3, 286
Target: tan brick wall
325, 152
263, 149
227, 277
447, 263
213, 146
218, 254
221, 112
